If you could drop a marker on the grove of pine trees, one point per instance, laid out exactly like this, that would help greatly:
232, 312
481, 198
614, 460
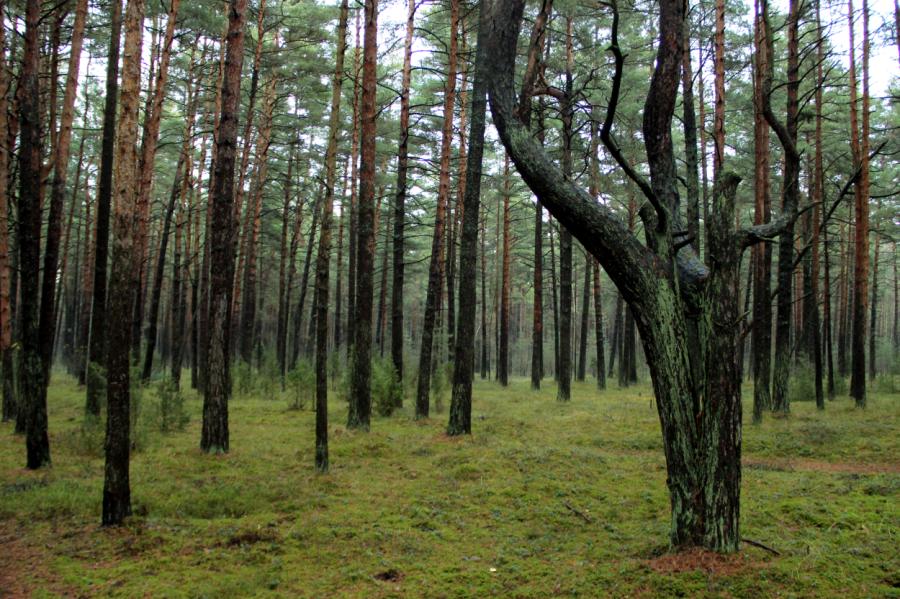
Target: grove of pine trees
389, 206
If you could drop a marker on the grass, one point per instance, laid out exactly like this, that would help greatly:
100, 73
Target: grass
543, 499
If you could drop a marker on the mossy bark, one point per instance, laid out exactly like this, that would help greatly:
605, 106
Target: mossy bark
685, 311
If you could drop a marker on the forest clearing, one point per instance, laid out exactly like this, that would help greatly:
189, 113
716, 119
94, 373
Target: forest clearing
542, 500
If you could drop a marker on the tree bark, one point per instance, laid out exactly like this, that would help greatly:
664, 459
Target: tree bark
58, 194
361, 368
116, 484
6, 358
433, 293
98, 321
861, 220
598, 328
399, 248
32, 399
787, 136
464, 355
503, 353
324, 254
700, 418
217, 390
762, 254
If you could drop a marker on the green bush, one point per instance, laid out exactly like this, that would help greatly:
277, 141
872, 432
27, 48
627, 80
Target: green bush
172, 415
802, 386
440, 385
387, 390
301, 384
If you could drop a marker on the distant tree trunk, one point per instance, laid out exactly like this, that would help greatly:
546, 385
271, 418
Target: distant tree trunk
598, 328
6, 354
217, 391
618, 318
761, 254
826, 311
98, 321
381, 322
304, 283
241, 235
58, 194
249, 303
861, 219
149, 145
787, 136
400, 199
361, 368
585, 319
433, 293
554, 291
156, 293
818, 184
324, 254
281, 317
873, 313
464, 357
116, 485
32, 400
485, 364
564, 366
690, 141
503, 354
179, 268
352, 231
843, 298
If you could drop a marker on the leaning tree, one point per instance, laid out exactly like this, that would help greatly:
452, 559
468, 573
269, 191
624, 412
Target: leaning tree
685, 310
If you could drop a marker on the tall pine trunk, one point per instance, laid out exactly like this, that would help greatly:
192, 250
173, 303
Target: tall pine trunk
123, 276
433, 293
361, 367
217, 390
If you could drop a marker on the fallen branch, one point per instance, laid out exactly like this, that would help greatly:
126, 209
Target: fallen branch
578, 512
761, 546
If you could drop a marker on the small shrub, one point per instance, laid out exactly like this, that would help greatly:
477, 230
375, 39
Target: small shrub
440, 386
802, 386
242, 378
301, 384
387, 390
171, 416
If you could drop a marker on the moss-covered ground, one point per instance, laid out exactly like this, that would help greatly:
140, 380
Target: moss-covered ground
544, 499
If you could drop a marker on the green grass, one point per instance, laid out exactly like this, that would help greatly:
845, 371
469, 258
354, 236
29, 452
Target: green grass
543, 499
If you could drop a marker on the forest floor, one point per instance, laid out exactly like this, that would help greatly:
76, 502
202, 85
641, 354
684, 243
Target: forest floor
543, 499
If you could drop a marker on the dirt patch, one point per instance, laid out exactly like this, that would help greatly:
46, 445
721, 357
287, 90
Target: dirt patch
691, 560
804, 465
390, 575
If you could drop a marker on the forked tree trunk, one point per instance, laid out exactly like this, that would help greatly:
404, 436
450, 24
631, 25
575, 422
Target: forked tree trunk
700, 416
